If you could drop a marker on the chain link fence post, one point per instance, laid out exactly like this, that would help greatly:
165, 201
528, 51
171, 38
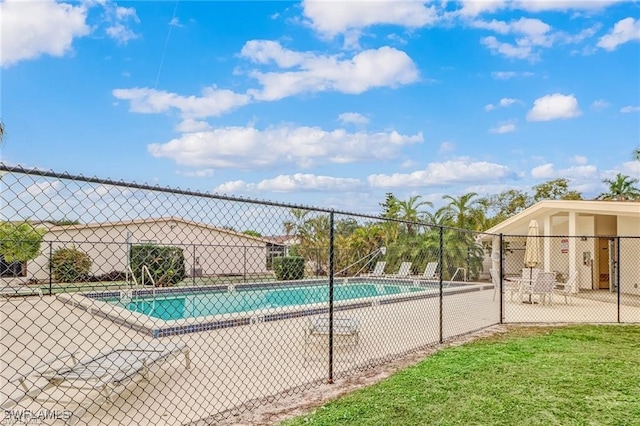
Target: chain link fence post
331, 313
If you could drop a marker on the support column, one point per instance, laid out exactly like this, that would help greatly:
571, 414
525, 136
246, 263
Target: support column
573, 225
547, 242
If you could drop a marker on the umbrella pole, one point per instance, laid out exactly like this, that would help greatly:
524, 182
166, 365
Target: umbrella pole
531, 284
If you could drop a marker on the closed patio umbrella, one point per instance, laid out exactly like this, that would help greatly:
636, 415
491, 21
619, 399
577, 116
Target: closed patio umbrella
532, 256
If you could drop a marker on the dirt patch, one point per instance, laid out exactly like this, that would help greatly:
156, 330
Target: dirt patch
282, 407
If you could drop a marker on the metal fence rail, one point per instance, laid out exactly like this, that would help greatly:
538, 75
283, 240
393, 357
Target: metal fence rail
183, 307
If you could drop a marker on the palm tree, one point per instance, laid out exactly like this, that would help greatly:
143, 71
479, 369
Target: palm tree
636, 154
462, 212
622, 188
409, 211
292, 227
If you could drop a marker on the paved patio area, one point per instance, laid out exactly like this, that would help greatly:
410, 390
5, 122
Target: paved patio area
234, 365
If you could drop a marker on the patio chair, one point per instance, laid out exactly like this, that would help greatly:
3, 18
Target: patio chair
567, 289
403, 272
513, 287
430, 272
23, 290
108, 373
378, 270
542, 286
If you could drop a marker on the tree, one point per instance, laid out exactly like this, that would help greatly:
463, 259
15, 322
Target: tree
1, 131
502, 206
636, 154
252, 233
390, 206
291, 227
346, 227
556, 189
410, 211
20, 242
463, 212
622, 188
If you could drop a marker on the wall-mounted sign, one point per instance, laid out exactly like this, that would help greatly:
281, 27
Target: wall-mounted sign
564, 245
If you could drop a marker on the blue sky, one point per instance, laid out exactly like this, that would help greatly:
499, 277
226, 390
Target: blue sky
320, 103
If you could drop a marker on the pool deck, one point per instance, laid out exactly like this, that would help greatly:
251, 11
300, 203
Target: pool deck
235, 365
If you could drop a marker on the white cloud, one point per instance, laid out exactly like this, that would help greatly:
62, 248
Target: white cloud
631, 168
298, 182
506, 75
117, 19
353, 118
507, 49
250, 148
554, 107
191, 125
623, 31
600, 104
530, 33
471, 8
477, 7
202, 173
34, 28
544, 171
579, 159
213, 102
383, 67
504, 102
330, 18
503, 128
121, 33
446, 147
629, 108
435, 174
548, 171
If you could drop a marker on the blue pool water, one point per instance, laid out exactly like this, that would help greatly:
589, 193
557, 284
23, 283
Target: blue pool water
180, 306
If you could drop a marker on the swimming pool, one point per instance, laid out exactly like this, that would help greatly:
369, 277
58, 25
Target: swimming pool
182, 306
161, 312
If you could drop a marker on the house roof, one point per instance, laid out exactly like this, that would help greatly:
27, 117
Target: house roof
517, 224
62, 228
282, 239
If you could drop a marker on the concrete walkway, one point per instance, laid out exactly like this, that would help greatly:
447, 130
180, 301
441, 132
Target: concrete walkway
233, 366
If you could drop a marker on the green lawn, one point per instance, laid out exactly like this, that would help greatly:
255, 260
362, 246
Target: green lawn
573, 375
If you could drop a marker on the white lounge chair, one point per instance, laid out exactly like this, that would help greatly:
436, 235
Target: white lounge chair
378, 270
403, 271
22, 290
430, 271
107, 373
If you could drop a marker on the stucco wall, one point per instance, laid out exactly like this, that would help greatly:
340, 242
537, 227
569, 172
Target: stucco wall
209, 250
629, 255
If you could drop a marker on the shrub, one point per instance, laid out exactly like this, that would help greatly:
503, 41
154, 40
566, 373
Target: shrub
70, 265
165, 264
19, 242
289, 268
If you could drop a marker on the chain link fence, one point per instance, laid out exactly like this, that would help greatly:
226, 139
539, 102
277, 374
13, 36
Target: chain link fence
135, 304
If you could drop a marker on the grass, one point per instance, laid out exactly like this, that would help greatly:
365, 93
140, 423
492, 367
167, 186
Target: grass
572, 375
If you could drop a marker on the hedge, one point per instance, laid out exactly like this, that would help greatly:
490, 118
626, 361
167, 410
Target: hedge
289, 268
165, 264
